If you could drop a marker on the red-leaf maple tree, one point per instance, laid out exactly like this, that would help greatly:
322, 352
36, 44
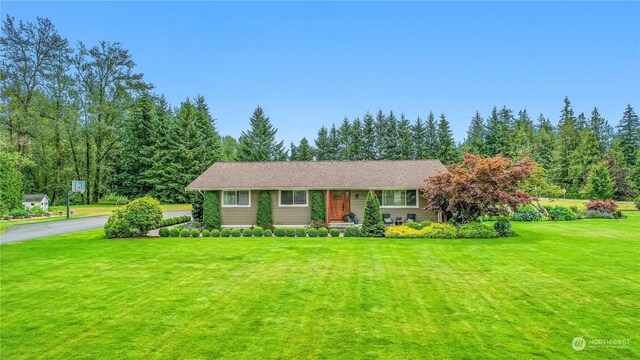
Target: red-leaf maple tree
479, 186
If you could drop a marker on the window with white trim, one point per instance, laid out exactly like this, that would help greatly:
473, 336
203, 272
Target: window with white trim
398, 198
240, 198
293, 197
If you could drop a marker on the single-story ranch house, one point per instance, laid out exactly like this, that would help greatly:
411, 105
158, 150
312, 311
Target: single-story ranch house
345, 184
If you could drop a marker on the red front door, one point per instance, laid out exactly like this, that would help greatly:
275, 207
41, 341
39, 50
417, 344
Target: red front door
339, 204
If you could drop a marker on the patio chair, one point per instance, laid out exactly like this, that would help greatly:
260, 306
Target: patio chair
387, 219
411, 218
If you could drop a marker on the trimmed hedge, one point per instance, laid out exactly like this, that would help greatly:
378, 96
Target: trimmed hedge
434, 231
268, 233
312, 232
175, 220
418, 225
264, 216
195, 233
352, 231
258, 231
185, 233
174, 232
143, 214
323, 232
334, 232
226, 232
215, 233
247, 232
280, 232
476, 230
206, 233
301, 232
318, 206
163, 232
290, 232
236, 232
211, 218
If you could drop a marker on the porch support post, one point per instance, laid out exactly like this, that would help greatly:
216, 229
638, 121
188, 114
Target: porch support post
327, 207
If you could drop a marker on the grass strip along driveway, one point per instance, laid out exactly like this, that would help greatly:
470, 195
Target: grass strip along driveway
80, 295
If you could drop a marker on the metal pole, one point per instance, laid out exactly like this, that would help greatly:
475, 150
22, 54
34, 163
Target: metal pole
68, 194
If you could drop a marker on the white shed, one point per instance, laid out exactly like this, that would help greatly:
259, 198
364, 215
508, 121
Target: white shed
40, 200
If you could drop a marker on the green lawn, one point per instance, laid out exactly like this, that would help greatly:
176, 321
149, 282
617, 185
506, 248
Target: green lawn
80, 211
622, 205
80, 295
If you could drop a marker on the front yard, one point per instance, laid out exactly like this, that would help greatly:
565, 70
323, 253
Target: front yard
80, 295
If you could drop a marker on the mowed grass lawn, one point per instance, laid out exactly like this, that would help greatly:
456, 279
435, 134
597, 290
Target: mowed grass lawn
81, 295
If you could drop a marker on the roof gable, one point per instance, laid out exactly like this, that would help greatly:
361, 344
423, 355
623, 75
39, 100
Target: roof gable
371, 174
34, 197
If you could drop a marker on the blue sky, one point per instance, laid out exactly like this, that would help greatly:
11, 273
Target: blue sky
311, 64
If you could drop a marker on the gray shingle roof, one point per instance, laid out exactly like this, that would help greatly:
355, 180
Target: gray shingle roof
33, 197
378, 174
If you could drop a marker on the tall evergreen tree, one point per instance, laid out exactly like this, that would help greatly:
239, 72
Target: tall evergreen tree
344, 137
419, 136
229, 151
335, 149
601, 128
302, 152
368, 138
259, 143
599, 184
381, 134
497, 134
474, 143
405, 143
431, 141
322, 150
543, 142
391, 146
588, 153
522, 139
628, 137
447, 151
357, 140
581, 122
567, 141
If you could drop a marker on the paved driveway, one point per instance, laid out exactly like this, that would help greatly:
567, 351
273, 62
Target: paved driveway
39, 230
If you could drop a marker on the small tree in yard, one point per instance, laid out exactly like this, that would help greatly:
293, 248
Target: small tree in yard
264, 218
211, 218
143, 214
318, 207
372, 224
599, 184
479, 186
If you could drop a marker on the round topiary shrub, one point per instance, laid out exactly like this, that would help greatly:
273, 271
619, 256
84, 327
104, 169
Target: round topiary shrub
313, 232
143, 214
301, 232
268, 233
258, 231
175, 232
215, 233
354, 231
291, 232
206, 233
561, 213
163, 232
117, 226
195, 233
185, 233
503, 227
335, 232
280, 232
247, 232
226, 232
236, 232
323, 232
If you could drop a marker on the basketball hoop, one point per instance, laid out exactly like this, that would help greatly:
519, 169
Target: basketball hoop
77, 186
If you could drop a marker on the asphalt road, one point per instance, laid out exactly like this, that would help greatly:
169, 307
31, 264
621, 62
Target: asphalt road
50, 228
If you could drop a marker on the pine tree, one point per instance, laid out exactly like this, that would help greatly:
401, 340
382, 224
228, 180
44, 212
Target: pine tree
628, 137
391, 146
372, 223
522, 139
293, 152
599, 184
405, 143
581, 122
211, 218
588, 153
368, 138
447, 151
381, 134
335, 149
601, 128
264, 215
431, 141
344, 137
11, 181
302, 152
211, 146
497, 135
567, 141
322, 151
229, 151
357, 141
259, 143
419, 135
474, 143
543, 142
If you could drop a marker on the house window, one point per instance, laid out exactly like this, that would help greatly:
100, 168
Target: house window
398, 198
236, 198
293, 198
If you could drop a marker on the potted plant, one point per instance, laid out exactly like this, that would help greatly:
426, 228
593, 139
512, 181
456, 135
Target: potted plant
348, 217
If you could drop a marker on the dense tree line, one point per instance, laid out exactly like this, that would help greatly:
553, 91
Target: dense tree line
85, 113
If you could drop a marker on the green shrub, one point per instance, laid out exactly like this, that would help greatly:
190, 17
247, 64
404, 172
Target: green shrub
117, 226
280, 232
596, 214
503, 227
372, 224
352, 231
264, 217
258, 231
323, 232
301, 232
418, 225
206, 233
226, 232
236, 232
19, 212
143, 214
602, 205
195, 233
175, 232
438, 231
247, 232
163, 232
334, 232
36, 210
313, 232
175, 220
476, 230
215, 233
113, 199
637, 202
561, 213
318, 206
290, 232
527, 213
268, 233
185, 233
211, 218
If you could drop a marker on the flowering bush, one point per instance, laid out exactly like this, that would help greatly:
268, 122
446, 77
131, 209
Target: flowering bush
608, 206
527, 213
434, 231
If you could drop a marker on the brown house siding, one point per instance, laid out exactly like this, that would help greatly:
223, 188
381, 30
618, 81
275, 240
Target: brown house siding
244, 216
357, 207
